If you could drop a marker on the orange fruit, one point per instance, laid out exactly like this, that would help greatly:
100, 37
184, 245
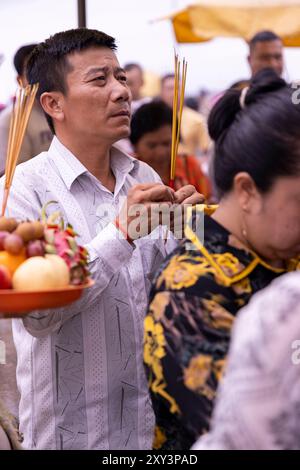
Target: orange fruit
12, 262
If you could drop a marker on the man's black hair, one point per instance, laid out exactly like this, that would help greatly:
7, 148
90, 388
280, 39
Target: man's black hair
131, 66
263, 36
149, 118
166, 77
21, 57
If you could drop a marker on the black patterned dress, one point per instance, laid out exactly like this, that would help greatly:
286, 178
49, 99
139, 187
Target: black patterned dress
193, 303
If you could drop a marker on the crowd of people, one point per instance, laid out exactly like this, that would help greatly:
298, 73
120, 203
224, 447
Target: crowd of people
157, 355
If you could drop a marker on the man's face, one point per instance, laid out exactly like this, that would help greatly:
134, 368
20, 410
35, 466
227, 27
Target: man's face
167, 91
267, 54
97, 100
135, 82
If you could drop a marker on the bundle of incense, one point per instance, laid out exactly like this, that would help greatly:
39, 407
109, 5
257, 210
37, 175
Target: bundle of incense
178, 101
18, 123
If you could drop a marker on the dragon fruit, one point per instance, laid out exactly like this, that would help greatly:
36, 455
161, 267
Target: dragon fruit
61, 241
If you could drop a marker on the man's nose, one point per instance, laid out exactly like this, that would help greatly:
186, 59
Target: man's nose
120, 91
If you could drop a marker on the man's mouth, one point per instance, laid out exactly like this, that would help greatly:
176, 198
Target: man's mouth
124, 112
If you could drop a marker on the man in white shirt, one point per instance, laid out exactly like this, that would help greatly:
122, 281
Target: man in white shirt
80, 370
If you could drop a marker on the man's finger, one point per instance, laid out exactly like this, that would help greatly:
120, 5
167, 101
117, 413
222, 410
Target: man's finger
196, 198
161, 193
145, 186
183, 193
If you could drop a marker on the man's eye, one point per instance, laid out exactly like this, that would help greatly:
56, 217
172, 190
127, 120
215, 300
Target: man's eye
123, 78
101, 77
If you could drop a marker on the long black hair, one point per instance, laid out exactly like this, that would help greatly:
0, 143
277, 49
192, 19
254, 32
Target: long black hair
261, 137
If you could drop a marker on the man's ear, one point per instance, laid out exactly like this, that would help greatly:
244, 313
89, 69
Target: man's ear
246, 192
52, 104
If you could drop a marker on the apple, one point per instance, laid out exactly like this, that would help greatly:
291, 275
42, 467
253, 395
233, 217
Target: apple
5, 278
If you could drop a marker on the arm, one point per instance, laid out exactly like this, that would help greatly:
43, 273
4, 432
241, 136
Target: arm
109, 251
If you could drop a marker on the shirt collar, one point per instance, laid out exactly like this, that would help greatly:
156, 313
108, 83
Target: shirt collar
70, 168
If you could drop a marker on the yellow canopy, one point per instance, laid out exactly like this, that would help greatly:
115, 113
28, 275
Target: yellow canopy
208, 19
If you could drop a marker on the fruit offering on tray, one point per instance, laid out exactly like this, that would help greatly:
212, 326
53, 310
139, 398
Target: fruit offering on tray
40, 255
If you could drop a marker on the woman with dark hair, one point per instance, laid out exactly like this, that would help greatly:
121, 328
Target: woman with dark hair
151, 138
252, 238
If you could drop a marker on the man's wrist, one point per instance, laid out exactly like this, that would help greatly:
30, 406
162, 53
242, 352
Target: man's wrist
123, 230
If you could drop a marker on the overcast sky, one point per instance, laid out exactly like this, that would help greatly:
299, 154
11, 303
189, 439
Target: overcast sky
214, 65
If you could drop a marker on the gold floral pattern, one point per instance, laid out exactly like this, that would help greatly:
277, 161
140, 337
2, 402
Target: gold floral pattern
242, 287
197, 372
159, 438
181, 272
218, 317
154, 351
159, 304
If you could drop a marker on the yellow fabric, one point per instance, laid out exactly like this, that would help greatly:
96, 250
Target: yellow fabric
151, 86
206, 20
194, 132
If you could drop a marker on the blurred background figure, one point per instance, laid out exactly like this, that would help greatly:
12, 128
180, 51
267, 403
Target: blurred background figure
266, 51
38, 135
194, 134
135, 81
258, 403
151, 138
2, 106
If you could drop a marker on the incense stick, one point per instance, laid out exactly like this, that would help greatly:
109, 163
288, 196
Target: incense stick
177, 113
18, 124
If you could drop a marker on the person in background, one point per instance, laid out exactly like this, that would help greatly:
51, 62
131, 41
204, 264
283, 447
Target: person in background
194, 134
252, 238
151, 138
2, 106
135, 81
266, 51
38, 135
258, 403
191, 102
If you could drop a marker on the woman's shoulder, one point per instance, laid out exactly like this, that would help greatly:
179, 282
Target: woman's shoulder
186, 269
